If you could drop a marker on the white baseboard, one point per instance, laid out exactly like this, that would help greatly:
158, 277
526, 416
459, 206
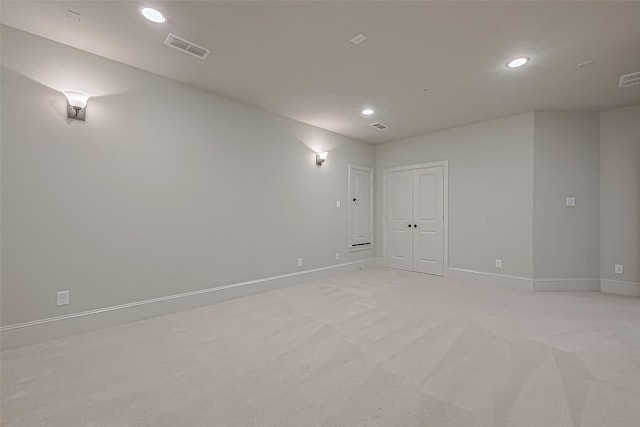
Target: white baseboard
516, 282
33, 332
526, 283
566, 285
617, 287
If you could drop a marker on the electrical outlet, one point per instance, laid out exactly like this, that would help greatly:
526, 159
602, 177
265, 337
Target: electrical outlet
498, 263
337, 203
570, 201
337, 255
62, 298
299, 262
619, 269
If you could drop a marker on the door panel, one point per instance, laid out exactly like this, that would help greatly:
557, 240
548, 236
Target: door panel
360, 215
399, 215
428, 216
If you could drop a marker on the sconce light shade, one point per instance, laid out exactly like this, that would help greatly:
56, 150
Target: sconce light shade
321, 157
76, 104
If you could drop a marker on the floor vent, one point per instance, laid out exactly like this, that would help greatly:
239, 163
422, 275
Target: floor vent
629, 79
378, 125
186, 46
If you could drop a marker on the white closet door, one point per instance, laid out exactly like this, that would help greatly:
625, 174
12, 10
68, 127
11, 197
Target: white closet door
399, 216
428, 220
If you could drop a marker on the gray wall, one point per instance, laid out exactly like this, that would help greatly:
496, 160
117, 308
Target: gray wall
164, 189
490, 190
620, 194
508, 182
566, 163
167, 189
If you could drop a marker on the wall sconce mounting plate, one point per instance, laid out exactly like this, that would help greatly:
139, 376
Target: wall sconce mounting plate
76, 113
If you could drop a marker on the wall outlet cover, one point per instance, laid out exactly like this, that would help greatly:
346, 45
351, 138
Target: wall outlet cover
337, 203
619, 269
570, 201
498, 263
299, 262
337, 255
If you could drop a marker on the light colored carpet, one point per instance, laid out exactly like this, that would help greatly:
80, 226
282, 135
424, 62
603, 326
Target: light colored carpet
372, 348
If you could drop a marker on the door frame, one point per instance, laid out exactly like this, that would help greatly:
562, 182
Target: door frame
445, 184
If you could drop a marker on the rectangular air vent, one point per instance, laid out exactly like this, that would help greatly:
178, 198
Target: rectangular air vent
358, 39
186, 46
378, 125
629, 79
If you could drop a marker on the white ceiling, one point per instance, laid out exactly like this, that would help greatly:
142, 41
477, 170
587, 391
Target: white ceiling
295, 58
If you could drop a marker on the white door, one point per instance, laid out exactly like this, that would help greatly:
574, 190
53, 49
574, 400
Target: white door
399, 216
360, 227
415, 220
428, 220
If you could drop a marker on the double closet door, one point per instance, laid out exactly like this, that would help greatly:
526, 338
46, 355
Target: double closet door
415, 220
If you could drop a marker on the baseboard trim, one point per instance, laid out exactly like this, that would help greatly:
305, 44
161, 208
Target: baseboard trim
26, 333
566, 285
517, 282
616, 287
526, 283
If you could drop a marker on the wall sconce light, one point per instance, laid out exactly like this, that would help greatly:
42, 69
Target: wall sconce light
321, 157
76, 104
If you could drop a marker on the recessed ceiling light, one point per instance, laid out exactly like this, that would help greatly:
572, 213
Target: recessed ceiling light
517, 62
367, 112
152, 15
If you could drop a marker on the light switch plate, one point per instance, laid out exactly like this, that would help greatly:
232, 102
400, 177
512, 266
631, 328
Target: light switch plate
498, 263
619, 269
62, 298
571, 201
337, 203
299, 262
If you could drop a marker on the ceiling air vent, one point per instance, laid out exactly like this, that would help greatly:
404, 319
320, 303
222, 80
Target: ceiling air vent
378, 125
629, 79
358, 39
186, 46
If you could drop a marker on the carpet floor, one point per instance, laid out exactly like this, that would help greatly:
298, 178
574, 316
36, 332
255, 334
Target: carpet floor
375, 347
